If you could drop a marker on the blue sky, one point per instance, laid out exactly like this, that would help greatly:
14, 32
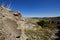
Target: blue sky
35, 8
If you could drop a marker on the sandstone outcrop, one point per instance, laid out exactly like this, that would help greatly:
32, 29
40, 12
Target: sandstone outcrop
12, 25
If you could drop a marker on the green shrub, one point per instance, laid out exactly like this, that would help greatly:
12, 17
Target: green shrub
43, 23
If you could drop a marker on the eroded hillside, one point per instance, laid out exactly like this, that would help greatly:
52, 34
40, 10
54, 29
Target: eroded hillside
13, 26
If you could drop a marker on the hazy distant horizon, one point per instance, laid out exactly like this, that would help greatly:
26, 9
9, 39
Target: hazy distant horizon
42, 17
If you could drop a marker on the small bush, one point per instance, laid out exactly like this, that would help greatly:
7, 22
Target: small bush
43, 23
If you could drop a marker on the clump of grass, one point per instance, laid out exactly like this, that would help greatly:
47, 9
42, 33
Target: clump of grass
40, 34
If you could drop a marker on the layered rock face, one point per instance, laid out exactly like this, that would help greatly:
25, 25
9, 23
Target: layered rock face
12, 25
